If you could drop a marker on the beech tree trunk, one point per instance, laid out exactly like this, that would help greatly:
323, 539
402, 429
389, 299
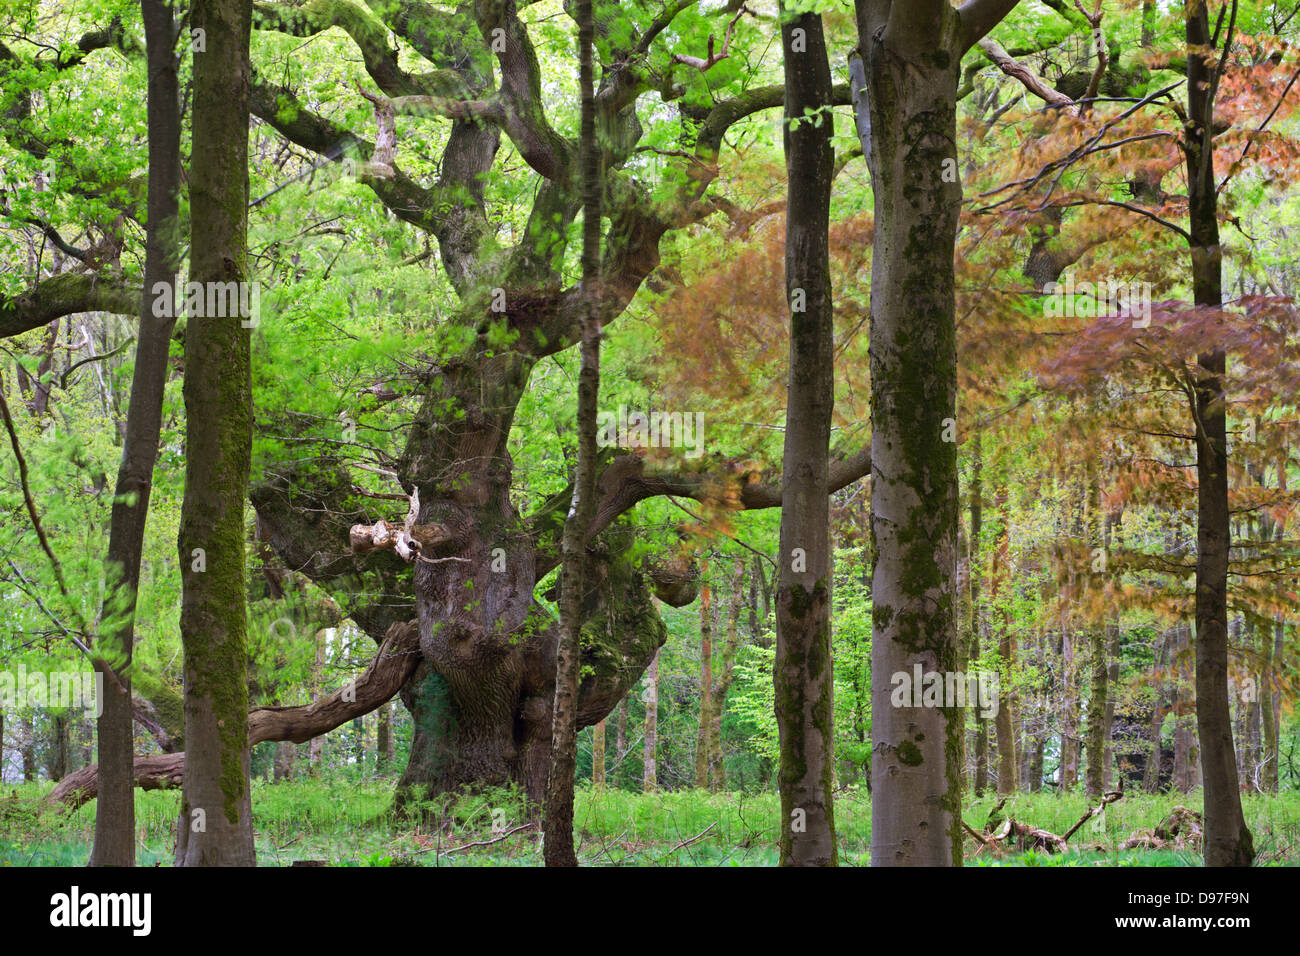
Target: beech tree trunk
620, 735
905, 96
1227, 841
1160, 707
58, 761
976, 573
802, 669
27, 748
115, 814
1097, 646
702, 756
384, 737
722, 682
598, 756
216, 815
1004, 722
650, 777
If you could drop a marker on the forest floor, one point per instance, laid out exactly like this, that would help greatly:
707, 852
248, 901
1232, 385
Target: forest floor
344, 819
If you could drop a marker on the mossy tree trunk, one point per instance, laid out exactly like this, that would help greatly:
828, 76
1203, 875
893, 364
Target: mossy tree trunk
803, 670
1004, 721
216, 827
384, 738
722, 681
558, 824
650, 774
702, 756
115, 815
906, 101
598, 756
975, 572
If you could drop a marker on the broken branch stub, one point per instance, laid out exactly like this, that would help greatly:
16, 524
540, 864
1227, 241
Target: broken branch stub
409, 540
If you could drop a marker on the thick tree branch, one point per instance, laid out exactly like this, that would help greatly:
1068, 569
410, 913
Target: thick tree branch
65, 294
626, 482
978, 18
1027, 78
394, 662
545, 150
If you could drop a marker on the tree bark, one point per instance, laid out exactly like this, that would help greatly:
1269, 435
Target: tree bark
216, 815
316, 747
1004, 722
115, 815
650, 777
558, 833
722, 682
27, 748
803, 670
384, 737
702, 756
1097, 647
1227, 841
598, 756
905, 93
975, 573
58, 763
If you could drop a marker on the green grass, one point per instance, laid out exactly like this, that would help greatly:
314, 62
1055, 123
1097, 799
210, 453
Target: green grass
345, 819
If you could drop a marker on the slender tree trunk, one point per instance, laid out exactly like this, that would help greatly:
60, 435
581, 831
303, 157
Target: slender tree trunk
558, 818
976, 572
598, 756
650, 778
1036, 765
1271, 647
27, 748
216, 815
316, 747
706, 679
1270, 689
1098, 690
285, 754
1114, 650
1186, 757
1095, 777
722, 682
59, 755
620, 737
384, 737
115, 813
1227, 841
803, 669
1004, 722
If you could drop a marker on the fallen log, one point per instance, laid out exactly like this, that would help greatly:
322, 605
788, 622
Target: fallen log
1180, 830
394, 662
1024, 836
